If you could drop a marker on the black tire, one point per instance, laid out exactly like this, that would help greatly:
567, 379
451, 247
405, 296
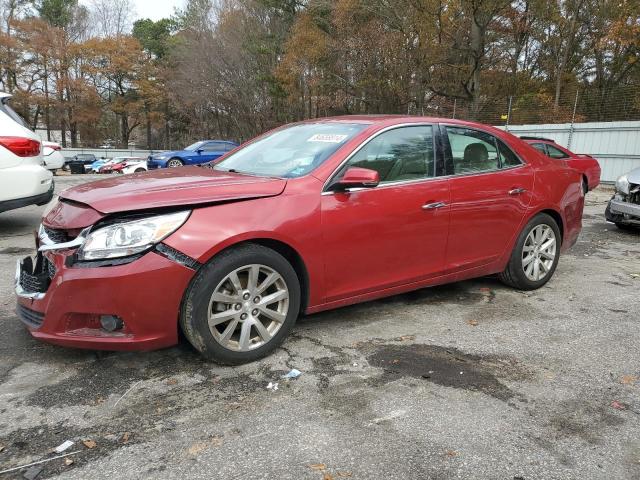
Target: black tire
514, 274
139, 170
585, 186
626, 227
177, 163
194, 312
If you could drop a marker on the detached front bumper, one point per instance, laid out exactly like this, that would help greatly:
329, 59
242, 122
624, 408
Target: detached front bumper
619, 211
145, 295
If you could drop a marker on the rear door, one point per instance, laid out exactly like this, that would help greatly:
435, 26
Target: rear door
392, 234
490, 194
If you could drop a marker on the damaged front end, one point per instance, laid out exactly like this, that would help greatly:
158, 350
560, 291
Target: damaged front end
624, 207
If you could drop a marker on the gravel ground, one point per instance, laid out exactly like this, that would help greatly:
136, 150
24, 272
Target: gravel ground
469, 380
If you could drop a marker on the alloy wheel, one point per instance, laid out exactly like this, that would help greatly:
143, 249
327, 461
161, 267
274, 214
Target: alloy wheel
174, 163
539, 252
248, 307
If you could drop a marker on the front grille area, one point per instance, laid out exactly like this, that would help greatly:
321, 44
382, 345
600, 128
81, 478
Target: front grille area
29, 317
634, 194
57, 236
36, 278
51, 268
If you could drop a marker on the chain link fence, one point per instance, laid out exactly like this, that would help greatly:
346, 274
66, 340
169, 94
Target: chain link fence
574, 105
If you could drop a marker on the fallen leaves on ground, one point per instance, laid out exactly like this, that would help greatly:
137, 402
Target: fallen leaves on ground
199, 447
1, 447
317, 466
472, 322
89, 443
405, 338
344, 474
125, 437
327, 476
628, 379
171, 381
451, 453
68, 461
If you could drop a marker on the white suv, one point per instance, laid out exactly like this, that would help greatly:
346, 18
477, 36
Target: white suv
23, 180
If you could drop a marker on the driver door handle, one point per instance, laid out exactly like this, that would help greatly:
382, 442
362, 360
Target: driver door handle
433, 206
517, 191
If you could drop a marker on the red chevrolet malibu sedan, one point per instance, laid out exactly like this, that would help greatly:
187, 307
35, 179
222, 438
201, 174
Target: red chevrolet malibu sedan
308, 217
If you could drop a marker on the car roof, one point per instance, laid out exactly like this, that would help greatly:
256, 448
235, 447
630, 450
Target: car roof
389, 120
529, 139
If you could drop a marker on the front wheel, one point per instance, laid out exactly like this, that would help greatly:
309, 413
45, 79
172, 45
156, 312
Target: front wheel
175, 162
241, 305
535, 256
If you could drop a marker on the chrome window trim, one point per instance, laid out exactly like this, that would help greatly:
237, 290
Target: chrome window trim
371, 138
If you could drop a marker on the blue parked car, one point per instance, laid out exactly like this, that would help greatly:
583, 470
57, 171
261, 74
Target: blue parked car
199, 152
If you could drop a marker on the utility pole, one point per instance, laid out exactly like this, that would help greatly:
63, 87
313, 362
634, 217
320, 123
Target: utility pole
573, 119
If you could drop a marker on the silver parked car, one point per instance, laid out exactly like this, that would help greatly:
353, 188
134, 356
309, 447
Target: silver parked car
624, 207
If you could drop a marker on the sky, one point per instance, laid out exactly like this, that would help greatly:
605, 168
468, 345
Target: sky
156, 9
153, 9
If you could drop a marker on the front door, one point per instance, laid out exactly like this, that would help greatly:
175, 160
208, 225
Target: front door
392, 234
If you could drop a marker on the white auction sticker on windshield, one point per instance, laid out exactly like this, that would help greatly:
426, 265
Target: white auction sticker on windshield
327, 138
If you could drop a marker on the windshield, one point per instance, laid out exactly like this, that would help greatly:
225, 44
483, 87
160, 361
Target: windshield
292, 151
194, 146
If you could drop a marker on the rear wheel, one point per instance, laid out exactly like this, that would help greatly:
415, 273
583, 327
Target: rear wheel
139, 170
175, 162
535, 255
241, 305
626, 227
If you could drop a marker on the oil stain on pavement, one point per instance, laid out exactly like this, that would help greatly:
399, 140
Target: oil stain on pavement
448, 367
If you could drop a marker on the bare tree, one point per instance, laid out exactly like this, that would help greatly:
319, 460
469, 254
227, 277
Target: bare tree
112, 18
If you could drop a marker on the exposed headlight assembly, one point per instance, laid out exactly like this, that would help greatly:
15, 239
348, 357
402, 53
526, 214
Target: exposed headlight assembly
161, 157
128, 238
622, 185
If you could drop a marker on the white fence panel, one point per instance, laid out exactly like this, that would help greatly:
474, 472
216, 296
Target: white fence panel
616, 145
108, 152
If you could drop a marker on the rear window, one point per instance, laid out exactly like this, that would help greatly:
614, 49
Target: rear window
4, 106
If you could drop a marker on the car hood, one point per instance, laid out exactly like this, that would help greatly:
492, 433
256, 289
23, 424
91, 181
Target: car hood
173, 187
172, 153
634, 176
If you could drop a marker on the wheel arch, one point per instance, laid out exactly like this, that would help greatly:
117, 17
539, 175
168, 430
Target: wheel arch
288, 252
556, 216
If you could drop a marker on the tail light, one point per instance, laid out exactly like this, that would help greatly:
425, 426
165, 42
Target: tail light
20, 146
56, 147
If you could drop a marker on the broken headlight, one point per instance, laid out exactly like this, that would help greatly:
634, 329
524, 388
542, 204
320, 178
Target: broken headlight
128, 238
622, 185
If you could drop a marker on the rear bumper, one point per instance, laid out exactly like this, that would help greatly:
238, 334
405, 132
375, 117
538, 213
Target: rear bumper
41, 199
145, 294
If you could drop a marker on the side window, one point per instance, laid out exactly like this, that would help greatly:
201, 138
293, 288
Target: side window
404, 153
213, 147
472, 150
540, 147
556, 152
507, 157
